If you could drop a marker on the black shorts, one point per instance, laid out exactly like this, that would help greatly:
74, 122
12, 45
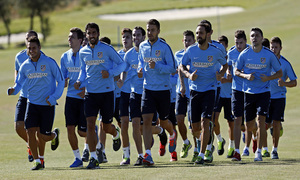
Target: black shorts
237, 103
135, 105
124, 104
74, 113
226, 104
172, 116
21, 109
156, 101
276, 110
256, 104
40, 116
201, 105
103, 102
181, 104
217, 97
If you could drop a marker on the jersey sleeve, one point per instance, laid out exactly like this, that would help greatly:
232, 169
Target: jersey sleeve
63, 67
118, 60
290, 72
56, 72
169, 67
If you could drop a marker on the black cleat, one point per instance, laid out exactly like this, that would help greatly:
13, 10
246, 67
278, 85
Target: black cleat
55, 141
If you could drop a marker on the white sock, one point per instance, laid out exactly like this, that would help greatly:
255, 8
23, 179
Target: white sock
237, 150
98, 146
148, 151
246, 148
258, 150
93, 155
41, 157
173, 135
201, 154
186, 142
265, 148
38, 161
208, 147
219, 138
77, 154
274, 149
231, 143
126, 152
86, 146
117, 136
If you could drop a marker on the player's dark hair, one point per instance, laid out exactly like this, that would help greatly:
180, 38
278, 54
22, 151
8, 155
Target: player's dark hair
206, 26
140, 28
266, 42
189, 33
33, 32
92, 25
105, 39
204, 21
126, 30
34, 39
154, 22
240, 34
78, 32
276, 40
258, 30
223, 39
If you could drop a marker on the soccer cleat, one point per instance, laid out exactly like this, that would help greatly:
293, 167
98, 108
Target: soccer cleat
163, 138
42, 162
221, 147
30, 157
99, 155
185, 150
243, 137
76, 163
93, 164
139, 161
274, 155
173, 156
265, 153
230, 153
236, 156
104, 158
126, 161
195, 156
258, 157
85, 155
172, 143
162, 149
199, 160
208, 157
245, 152
117, 141
37, 166
147, 160
55, 141
254, 146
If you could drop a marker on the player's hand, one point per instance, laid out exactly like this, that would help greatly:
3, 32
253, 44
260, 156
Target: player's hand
193, 76
66, 82
10, 91
281, 82
218, 76
264, 78
116, 78
77, 85
250, 77
140, 73
120, 83
229, 76
152, 64
82, 93
105, 74
48, 101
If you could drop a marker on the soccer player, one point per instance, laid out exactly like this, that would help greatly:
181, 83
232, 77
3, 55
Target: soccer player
124, 84
97, 69
266, 43
74, 107
183, 95
22, 104
40, 73
221, 142
156, 63
202, 58
278, 93
257, 62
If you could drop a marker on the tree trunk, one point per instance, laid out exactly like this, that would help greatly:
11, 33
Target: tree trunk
31, 19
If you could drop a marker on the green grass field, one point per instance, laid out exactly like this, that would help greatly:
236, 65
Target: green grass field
276, 18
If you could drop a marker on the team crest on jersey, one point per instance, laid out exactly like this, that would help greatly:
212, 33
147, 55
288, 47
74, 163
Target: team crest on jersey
100, 54
43, 67
157, 53
263, 60
210, 58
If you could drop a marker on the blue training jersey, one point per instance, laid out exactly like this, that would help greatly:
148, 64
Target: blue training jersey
173, 81
41, 78
226, 90
131, 59
205, 62
156, 79
70, 67
287, 72
222, 48
233, 54
126, 86
257, 63
93, 61
178, 57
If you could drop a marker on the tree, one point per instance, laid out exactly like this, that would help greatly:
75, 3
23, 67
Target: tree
6, 7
